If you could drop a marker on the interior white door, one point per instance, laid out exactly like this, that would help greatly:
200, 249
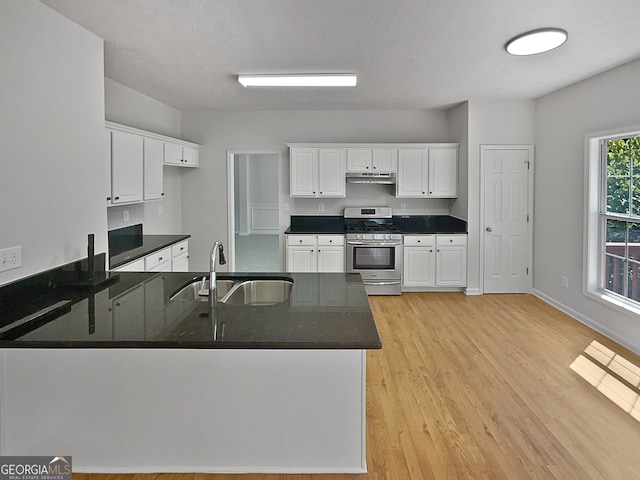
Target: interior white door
506, 209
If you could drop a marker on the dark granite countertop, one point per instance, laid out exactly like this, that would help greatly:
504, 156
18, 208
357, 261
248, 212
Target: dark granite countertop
414, 224
148, 244
324, 311
407, 224
316, 224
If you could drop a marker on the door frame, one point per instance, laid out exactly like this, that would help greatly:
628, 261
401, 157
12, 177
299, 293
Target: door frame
231, 216
530, 197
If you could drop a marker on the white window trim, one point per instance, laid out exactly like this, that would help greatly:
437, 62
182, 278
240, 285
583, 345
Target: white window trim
593, 234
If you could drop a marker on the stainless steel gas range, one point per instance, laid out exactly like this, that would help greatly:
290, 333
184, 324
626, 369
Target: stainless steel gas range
374, 249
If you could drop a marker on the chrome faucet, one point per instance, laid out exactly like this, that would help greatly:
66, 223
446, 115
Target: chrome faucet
218, 248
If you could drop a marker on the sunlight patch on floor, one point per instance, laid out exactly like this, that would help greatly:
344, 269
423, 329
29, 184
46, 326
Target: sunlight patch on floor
616, 377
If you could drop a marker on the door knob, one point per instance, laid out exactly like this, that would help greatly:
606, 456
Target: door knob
489, 229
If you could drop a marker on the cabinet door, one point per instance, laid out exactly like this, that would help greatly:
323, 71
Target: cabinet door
385, 160
359, 160
135, 266
419, 267
451, 266
180, 264
413, 170
302, 259
330, 259
304, 172
126, 167
443, 172
332, 172
191, 156
107, 164
172, 153
153, 164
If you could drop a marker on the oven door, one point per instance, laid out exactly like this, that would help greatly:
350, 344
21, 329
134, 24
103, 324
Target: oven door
379, 264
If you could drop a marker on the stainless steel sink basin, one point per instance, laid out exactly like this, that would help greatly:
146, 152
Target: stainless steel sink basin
239, 291
200, 292
258, 292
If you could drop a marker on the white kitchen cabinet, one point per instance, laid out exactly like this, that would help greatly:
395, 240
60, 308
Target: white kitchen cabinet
159, 261
413, 172
443, 172
434, 261
419, 261
332, 170
181, 155
126, 167
135, 266
427, 172
153, 169
378, 160
451, 261
107, 164
315, 253
317, 172
180, 257
331, 253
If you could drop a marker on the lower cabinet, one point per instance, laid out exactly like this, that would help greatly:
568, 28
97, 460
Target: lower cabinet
315, 253
170, 259
434, 261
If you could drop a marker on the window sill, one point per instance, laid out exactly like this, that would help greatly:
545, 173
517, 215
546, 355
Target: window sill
615, 302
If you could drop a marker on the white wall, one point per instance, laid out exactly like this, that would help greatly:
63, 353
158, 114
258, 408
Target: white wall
129, 107
219, 131
53, 177
458, 118
604, 102
509, 122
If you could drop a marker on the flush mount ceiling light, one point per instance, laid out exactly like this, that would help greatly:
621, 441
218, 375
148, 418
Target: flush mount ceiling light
300, 80
536, 41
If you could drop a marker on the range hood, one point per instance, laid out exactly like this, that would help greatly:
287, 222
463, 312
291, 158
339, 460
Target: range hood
381, 178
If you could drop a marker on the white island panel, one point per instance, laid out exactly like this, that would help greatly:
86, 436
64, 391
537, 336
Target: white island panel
175, 410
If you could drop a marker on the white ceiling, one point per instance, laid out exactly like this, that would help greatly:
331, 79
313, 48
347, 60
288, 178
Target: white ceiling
408, 54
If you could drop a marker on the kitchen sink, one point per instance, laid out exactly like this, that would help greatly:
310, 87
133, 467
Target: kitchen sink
239, 291
258, 292
199, 291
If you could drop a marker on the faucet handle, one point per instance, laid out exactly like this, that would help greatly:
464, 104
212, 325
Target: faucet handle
222, 259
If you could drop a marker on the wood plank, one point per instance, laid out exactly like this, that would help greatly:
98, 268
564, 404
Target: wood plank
480, 388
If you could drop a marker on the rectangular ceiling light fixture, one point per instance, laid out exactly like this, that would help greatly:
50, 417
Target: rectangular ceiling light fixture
300, 80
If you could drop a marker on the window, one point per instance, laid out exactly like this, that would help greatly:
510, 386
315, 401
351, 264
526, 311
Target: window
613, 220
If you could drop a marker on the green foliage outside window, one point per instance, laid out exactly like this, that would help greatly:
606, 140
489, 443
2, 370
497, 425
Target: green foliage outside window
623, 176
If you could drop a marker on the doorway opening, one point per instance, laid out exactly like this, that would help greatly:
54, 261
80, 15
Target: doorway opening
254, 206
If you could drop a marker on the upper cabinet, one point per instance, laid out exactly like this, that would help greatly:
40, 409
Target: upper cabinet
126, 167
375, 160
318, 172
181, 155
427, 172
135, 160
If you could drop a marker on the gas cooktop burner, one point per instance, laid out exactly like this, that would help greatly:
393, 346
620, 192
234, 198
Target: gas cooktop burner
370, 226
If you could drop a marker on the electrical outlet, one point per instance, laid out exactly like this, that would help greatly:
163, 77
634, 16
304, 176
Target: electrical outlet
403, 206
160, 210
285, 207
321, 207
565, 282
10, 258
125, 216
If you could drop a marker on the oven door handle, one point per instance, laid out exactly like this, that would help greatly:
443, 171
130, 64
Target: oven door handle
386, 244
392, 282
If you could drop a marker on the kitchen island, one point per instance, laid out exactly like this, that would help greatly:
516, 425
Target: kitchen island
130, 379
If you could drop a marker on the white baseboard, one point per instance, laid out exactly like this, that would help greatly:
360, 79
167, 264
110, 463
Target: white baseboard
589, 322
473, 291
219, 470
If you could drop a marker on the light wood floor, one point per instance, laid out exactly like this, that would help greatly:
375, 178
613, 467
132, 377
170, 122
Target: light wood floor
480, 388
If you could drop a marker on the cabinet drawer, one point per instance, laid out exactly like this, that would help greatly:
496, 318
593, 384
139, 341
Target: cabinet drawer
180, 249
156, 259
420, 240
329, 240
308, 240
451, 240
